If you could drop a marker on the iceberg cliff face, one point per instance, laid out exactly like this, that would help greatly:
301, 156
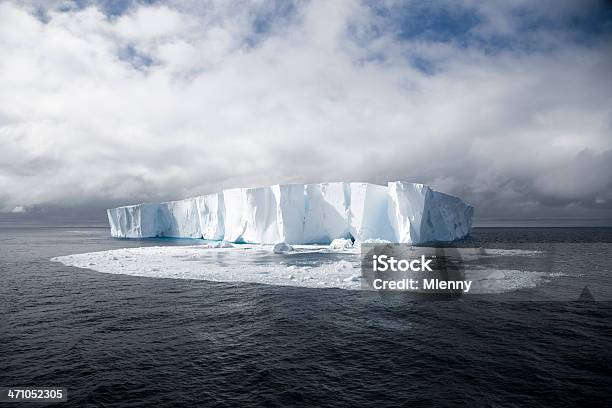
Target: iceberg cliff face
418, 214
303, 214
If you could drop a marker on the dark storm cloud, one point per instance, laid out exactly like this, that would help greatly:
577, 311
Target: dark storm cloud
507, 104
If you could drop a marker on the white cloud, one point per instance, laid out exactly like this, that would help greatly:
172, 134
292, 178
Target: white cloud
162, 103
19, 209
152, 23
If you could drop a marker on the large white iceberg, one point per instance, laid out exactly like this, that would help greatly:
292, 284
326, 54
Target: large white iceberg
303, 214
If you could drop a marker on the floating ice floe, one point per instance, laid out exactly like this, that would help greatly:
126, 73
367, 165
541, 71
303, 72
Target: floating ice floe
281, 248
341, 243
243, 263
312, 266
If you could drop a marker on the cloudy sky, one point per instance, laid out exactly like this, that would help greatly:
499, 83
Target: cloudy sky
506, 103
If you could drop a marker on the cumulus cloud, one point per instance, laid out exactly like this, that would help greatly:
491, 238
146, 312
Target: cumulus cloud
162, 101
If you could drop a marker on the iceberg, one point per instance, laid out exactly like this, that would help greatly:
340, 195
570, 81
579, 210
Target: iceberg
303, 214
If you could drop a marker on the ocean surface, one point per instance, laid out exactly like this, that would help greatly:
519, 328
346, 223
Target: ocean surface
133, 341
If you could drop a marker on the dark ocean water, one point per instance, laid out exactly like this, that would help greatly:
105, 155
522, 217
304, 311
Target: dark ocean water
116, 340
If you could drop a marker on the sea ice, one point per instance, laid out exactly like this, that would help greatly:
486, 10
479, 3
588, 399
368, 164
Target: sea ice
242, 263
282, 247
313, 266
341, 243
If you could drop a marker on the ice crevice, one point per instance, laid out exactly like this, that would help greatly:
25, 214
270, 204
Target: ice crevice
303, 214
